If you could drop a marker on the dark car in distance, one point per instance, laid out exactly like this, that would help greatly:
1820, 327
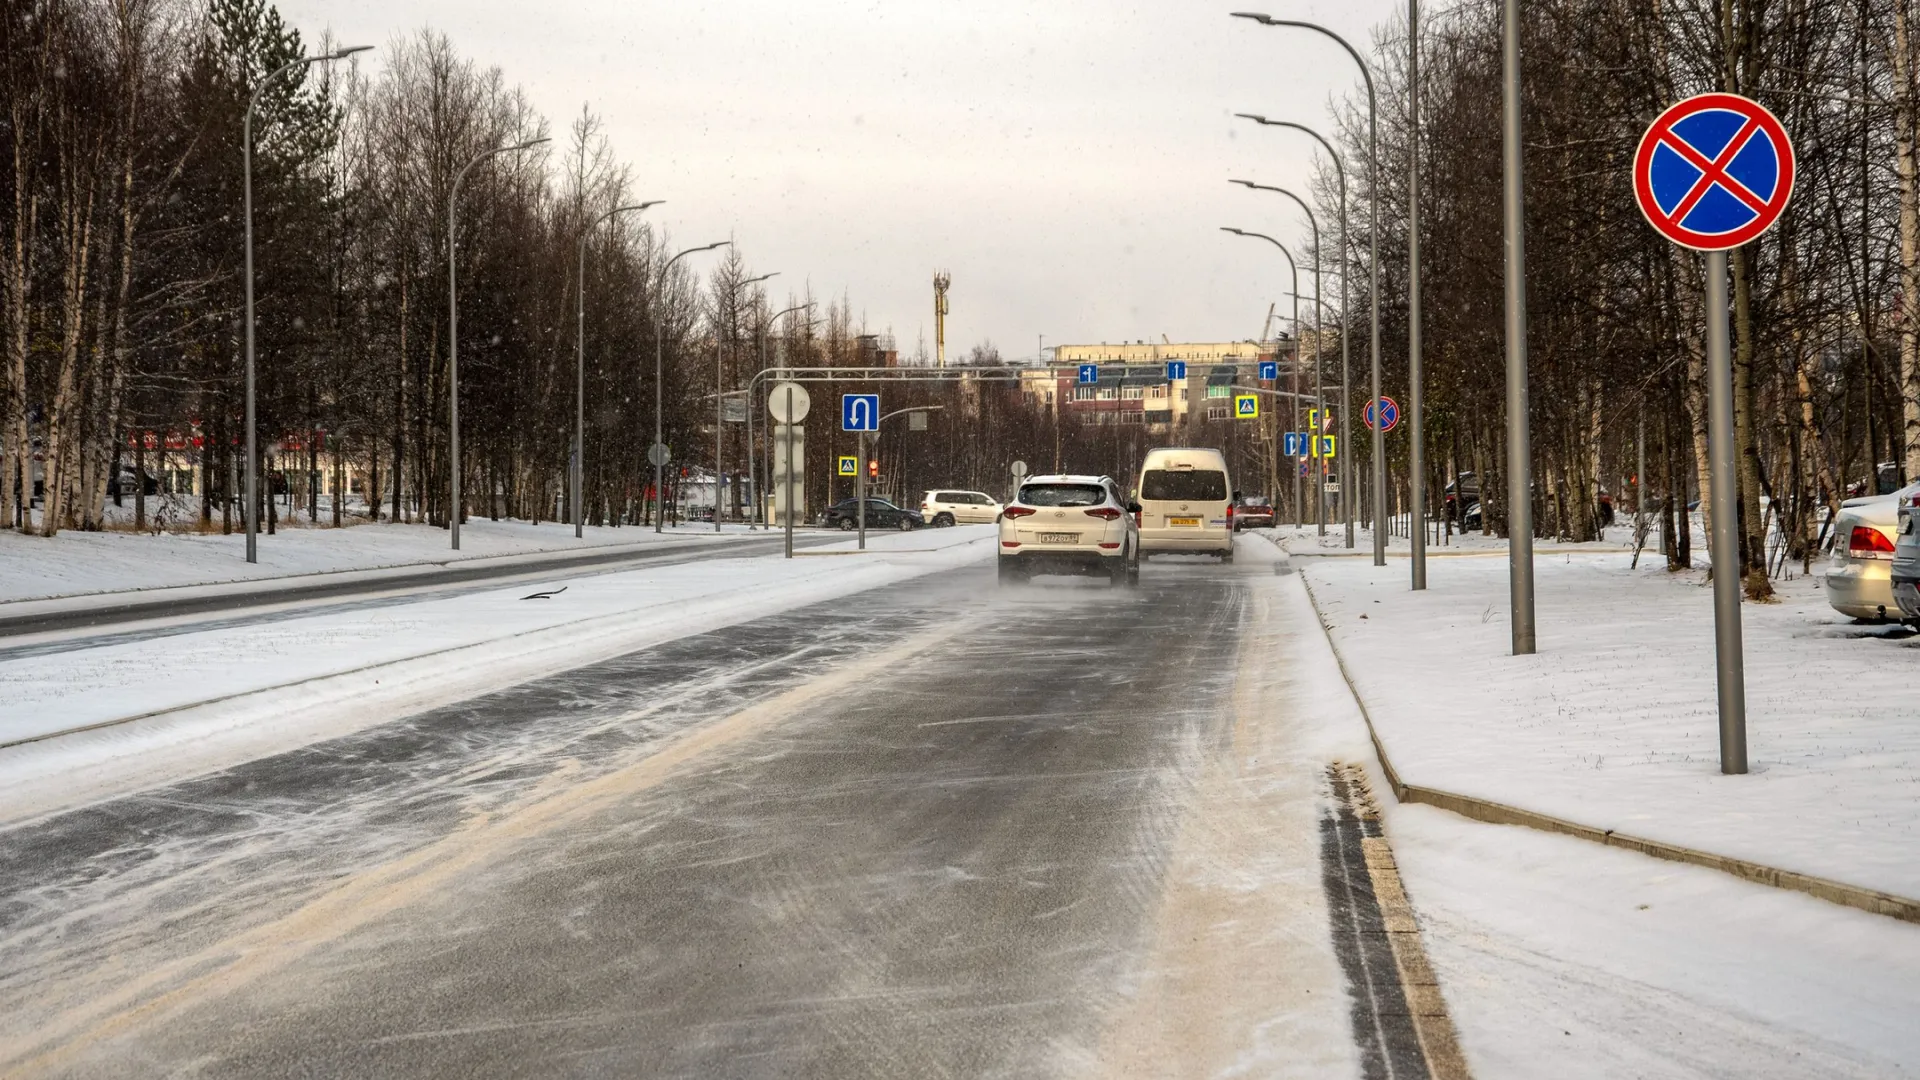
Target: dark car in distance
881, 514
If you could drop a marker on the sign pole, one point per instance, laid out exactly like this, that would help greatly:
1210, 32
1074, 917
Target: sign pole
860, 488
789, 476
1729, 665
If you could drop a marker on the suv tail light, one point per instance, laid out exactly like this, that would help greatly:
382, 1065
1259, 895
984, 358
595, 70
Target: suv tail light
1229, 515
1869, 543
1018, 511
1104, 513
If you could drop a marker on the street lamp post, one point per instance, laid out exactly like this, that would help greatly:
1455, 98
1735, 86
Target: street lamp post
453, 330
252, 516
1519, 452
1373, 215
753, 486
659, 425
1340, 174
1416, 433
720, 398
1319, 479
1298, 506
580, 366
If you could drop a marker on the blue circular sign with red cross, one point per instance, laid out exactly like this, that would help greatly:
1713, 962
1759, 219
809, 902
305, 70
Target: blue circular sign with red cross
1713, 172
1383, 410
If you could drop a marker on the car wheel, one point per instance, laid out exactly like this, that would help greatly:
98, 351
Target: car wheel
1226, 556
1133, 571
906, 524
942, 520
847, 525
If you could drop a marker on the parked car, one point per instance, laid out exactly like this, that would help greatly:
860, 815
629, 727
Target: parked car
1904, 569
949, 507
881, 514
1859, 578
1253, 512
1070, 525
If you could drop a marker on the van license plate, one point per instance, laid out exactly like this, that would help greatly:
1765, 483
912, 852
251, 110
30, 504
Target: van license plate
1059, 538
1184, 523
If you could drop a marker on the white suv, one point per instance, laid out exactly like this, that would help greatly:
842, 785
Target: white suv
1070, 525
943, 508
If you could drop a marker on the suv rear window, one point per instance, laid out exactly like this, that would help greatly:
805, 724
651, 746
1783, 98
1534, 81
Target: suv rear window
1063, 495
1169, 485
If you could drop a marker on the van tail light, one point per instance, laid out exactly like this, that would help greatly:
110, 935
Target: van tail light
1018, 511
1229, 515
1869, 543
1105, 513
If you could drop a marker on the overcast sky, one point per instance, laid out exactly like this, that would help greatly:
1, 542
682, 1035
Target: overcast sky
1065, 160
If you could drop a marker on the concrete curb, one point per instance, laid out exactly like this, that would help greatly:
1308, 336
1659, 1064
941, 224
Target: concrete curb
1853, 896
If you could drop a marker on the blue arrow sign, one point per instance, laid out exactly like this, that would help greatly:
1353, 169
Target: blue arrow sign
1294, 444
1176, 369
860, 412
1270, 370
1089, 374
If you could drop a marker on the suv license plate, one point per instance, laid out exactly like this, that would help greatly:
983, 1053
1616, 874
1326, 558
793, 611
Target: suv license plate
1059, 538
1184, 523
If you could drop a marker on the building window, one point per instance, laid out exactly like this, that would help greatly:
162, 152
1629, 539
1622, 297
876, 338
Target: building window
1133, 417
1083, 393
1219, 391
1219, 412
1158, 391
1133, 393
1106, 393
1049, 397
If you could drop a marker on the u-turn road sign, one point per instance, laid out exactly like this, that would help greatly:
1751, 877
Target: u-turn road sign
860, 412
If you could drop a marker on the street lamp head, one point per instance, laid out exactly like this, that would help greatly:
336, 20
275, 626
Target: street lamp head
342, 54
631, 207
1231, 229
1255, 117
531, 143
1264, 20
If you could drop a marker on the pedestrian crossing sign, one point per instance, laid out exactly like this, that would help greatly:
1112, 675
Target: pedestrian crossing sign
1324, 446
849, 465
1246, 406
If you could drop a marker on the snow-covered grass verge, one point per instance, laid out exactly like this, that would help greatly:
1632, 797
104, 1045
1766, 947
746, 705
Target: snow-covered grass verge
235, 693
1563, 958
1613, 722
80, 563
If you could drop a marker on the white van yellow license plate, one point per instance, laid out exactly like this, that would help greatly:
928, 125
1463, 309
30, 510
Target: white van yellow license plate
1059, 538
1184, 523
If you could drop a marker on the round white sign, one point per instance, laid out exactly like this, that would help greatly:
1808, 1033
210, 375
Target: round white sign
778, 398
1019, 468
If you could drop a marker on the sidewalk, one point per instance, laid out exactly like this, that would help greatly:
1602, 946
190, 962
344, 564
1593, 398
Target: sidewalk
95, 563
1612, 724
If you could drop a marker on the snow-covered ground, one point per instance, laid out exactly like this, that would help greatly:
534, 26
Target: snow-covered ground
1613, 722
1563, 958
245, 690
77, 563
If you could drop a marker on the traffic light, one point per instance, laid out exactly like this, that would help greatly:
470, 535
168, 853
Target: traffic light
873, 468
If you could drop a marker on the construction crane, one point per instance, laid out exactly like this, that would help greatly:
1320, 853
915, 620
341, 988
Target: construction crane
1268, 325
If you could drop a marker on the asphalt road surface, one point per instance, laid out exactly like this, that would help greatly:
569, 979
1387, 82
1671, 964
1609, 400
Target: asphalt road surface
940, 829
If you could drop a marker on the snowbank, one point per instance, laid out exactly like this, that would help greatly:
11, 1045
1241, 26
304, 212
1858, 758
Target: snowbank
1613, 724
236, 692
81, 563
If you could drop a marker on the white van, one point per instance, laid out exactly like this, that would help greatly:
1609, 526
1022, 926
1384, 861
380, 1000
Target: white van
1186, 503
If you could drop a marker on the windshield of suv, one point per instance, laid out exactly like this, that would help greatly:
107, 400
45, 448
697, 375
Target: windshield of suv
1063, 495
1169, 485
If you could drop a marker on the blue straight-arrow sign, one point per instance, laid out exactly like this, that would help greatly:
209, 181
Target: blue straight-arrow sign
1293, 444
1176, 369
1270, 370
1089, 374
860, 412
